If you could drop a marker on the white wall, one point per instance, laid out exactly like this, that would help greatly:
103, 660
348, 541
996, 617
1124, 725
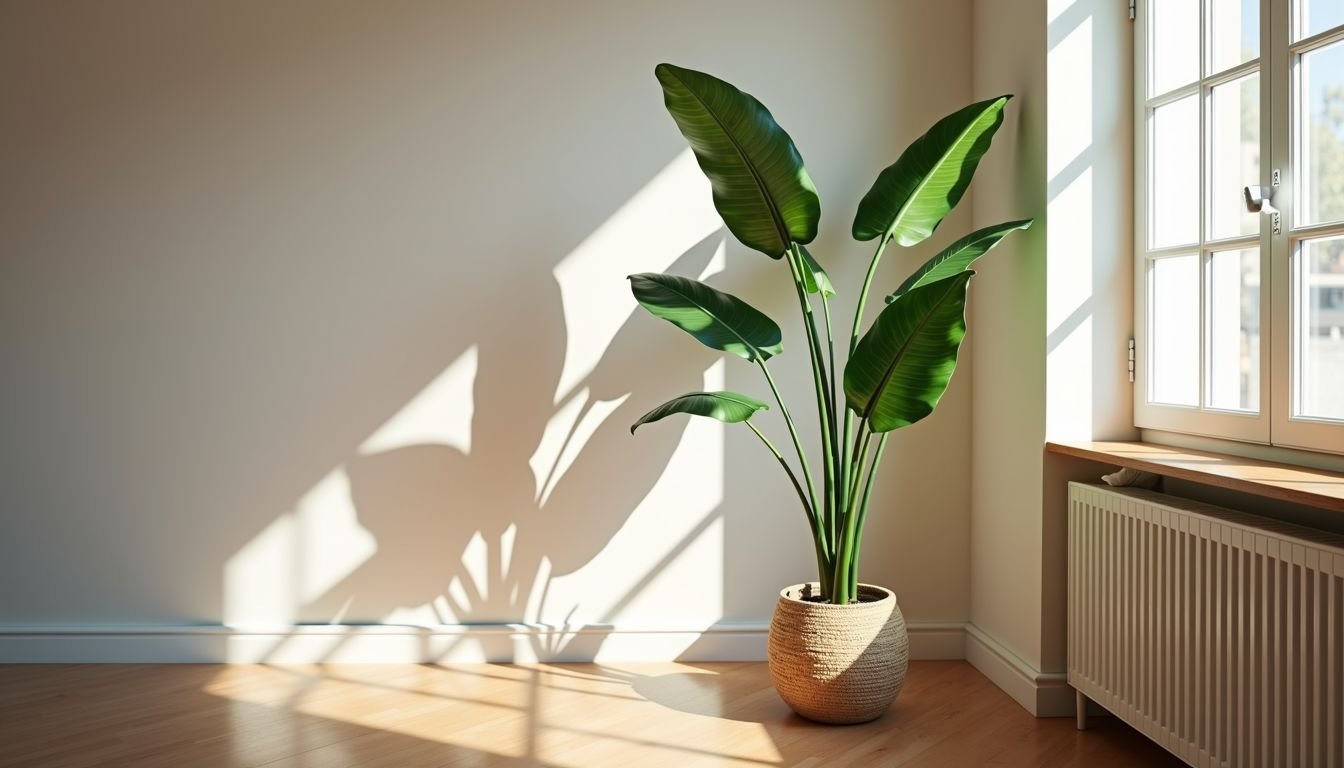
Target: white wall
316, 312
1008, 321
1050, 345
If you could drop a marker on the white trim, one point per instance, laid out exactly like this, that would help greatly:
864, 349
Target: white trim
1043, 694
383, 643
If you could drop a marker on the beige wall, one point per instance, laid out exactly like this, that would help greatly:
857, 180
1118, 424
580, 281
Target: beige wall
1007, 323
1050, 345
1089, 282
317, 312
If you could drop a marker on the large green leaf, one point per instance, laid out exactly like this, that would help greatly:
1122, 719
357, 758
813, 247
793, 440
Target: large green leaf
719, 320
958, 257
815, 279
912, 195
901, 367
761, 188
729, 407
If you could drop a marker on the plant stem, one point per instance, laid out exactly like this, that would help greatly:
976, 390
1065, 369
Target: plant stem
835, 399
797, 443
853, 577
847, 459
844, 589
827, 510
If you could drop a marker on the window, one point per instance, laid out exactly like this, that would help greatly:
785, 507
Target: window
1240, 315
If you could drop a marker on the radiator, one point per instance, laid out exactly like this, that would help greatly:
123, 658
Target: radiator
1219, 635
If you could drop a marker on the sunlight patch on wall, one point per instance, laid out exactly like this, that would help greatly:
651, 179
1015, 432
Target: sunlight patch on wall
309, 550
597, 412
669, 540
1069, 252
329, 541
1068, 369
299, 557
1069, 121
1069, 238
439, 414
312, 549
669, 215
718, 262
259, 578
1055, 8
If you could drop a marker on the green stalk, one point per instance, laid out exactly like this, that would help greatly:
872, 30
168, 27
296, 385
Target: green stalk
844, 590
793, 434
852, 489
819, 382
847, 459
853, 577
835, 399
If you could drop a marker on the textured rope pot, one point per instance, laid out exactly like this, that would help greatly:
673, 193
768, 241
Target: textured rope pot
838, 663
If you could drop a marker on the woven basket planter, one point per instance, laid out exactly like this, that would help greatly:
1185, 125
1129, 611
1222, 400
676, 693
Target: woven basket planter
838, 663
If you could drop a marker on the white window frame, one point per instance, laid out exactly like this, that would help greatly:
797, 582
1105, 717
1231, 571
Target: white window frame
1273, 423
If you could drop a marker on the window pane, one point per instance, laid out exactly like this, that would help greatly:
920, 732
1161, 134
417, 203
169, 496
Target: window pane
1234, 32
1319, 331
1234, 330
1174, 330
1321, 157
1234, 116
1174, 180
1175, 44
1316, 16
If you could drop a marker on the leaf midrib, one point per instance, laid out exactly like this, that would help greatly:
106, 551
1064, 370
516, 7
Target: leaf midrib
920, 187
714, 317
891, 369
722, 396
775, 216
914, 279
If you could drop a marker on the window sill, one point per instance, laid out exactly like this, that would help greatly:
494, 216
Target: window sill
1299, 485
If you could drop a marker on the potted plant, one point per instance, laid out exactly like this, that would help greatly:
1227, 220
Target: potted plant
837, 648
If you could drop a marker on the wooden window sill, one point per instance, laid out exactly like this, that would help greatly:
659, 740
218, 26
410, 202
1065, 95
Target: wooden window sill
1284, 482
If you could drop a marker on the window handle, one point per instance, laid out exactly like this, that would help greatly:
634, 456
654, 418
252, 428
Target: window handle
1258, 199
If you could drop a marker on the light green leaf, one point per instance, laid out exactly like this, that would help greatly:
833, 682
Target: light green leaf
815, 279
717, 319
902, 366
958, 257
761, 188
912, 195
728, 407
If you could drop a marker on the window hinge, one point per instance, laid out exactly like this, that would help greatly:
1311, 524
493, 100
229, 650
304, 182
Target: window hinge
1131, 361
1131, 18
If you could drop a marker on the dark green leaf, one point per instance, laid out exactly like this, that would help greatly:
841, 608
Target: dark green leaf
959, 256
912, 195
761, 188
729, 407
902, 366
815, 279
719, 320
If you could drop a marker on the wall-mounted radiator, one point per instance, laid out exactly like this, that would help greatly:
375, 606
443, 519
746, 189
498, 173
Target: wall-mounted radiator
1219, 635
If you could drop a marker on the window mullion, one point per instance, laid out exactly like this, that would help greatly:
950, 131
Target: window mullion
1205, 149
1280, 77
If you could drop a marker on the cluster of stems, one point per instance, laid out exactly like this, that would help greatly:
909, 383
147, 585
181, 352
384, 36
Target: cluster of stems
836, 514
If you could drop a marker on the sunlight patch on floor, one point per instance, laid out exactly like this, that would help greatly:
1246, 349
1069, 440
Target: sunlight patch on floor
560, 715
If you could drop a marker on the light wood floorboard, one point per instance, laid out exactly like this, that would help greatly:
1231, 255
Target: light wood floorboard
513, 715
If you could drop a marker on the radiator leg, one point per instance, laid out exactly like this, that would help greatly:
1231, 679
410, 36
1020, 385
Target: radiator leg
1080, 702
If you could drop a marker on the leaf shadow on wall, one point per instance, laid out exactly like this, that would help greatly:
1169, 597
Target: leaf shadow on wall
427, 504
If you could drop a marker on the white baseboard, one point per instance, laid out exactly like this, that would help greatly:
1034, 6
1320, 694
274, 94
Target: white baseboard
382, 643
1043, 694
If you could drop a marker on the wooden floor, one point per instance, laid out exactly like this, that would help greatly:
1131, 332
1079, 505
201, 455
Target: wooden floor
547, 714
